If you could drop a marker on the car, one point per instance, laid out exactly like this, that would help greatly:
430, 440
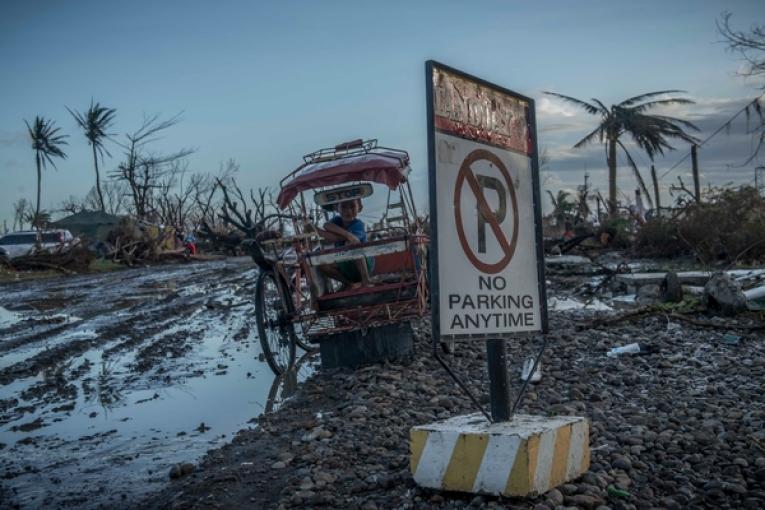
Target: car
18, 244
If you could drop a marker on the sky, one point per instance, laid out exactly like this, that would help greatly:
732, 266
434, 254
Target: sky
266, 82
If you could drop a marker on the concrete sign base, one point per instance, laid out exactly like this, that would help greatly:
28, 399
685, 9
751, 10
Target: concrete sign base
524, 457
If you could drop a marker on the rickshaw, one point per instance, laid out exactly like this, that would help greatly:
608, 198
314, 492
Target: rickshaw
296, 303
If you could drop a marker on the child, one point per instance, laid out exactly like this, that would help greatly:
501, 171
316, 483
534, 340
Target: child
343, 229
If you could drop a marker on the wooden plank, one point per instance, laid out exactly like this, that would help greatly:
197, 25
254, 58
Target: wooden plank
321, 259
687, 277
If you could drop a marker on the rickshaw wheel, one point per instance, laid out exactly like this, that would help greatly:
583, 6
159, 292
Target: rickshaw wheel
276, 332
300, 336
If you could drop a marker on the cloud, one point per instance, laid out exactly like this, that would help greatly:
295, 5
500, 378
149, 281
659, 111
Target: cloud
548, 128
551, 179
13, 138
12, 164
547, 107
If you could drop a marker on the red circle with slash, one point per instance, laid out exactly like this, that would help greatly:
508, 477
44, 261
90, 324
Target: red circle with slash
506, 245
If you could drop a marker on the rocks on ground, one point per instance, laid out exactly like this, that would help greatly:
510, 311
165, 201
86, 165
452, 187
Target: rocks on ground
668, 427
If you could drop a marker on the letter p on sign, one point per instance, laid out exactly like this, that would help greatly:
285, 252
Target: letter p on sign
487, 182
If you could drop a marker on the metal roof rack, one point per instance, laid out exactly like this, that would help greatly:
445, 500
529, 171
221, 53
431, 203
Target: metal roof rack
349, 149
352, 148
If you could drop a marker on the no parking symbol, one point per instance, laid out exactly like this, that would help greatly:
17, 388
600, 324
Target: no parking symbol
505, 191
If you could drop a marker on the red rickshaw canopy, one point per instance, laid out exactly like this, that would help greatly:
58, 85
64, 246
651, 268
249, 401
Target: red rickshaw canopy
389, 168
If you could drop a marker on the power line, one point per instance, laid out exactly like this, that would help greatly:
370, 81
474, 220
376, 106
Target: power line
718, 130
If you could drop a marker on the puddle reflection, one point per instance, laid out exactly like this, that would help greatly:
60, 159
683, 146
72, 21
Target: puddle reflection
111, 419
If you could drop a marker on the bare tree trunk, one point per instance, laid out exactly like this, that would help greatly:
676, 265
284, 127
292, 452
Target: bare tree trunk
98, 180
612, 177
656, 189
39, 179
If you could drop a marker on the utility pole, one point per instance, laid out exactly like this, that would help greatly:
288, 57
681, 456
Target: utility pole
758, 171
656, 190
695, 164
597, 202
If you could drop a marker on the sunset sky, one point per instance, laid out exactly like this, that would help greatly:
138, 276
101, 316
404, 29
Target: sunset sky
265, 83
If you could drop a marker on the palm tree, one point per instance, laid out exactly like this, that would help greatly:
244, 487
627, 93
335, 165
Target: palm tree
95, 122
46, 142
649, 132
562, 205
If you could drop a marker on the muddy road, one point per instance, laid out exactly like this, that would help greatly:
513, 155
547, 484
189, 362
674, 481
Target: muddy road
107, 381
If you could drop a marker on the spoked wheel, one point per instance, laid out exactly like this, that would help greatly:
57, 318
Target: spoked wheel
276, 332
300, 334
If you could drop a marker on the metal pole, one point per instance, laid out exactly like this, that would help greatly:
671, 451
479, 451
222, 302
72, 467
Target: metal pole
695, 165
756, 184
499, 387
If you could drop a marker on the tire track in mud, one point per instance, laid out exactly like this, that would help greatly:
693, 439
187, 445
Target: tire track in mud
20, 341
44, 361
166, 345
57, 386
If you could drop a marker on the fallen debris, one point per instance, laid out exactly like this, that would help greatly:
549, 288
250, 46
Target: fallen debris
686, 277
71, 260
632, 348
724, 295
179, 470
526, 373
671, 288
567, 304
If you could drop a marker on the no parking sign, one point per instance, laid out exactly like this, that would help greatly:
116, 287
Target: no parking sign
487, 267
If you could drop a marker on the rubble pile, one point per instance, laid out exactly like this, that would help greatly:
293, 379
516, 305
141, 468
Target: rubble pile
69, 260
133, 242
622, 282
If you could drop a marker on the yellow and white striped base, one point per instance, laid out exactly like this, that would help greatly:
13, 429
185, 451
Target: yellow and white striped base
526, 456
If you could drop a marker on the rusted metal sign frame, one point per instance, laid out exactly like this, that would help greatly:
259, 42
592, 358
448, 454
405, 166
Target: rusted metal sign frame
433, 196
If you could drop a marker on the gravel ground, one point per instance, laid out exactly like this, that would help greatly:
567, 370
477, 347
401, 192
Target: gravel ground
679, 426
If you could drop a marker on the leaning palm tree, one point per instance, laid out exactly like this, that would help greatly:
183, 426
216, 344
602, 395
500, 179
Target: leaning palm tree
649, 132
46, 142
95, 122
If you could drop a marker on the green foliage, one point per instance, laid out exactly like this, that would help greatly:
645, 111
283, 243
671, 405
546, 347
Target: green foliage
729, 226
659, 238
46, 141
39, 220
563, 206
95, 122
689, 304
619, 231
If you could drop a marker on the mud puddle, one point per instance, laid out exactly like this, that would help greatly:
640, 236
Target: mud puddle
97, 405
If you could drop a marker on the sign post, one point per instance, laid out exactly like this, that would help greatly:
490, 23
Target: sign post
487, 282
499, 386
487, 277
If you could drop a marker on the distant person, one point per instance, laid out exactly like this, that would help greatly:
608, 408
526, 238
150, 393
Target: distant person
568, 233
344, 229
190, 243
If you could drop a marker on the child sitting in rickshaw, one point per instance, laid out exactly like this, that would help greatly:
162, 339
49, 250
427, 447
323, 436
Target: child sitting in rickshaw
344, 229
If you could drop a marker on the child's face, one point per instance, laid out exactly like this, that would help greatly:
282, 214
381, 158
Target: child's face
349, 210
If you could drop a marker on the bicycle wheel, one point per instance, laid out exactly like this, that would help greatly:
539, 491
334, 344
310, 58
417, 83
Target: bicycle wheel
300, 336
277, 336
